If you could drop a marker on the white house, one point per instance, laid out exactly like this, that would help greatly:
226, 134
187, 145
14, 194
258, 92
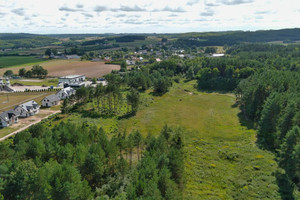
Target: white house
27, 109
218, 54
65, 93
51, 100
72, 80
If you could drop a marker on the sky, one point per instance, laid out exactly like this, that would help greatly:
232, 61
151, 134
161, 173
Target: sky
146, 16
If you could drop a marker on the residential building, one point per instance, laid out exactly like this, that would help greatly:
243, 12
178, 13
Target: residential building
27, 109
72, 80
8, 118
51, 100
65, 93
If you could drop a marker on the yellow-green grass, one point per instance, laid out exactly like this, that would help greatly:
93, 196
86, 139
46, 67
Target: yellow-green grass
7, 130
10, 100
222, 160
36, 82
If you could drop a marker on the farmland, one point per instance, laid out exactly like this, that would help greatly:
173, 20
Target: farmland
58, 68
8, 61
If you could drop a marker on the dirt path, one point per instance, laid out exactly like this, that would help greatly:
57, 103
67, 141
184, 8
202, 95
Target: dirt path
29, 119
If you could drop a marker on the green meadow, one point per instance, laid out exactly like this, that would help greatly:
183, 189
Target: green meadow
222, 160
9, 61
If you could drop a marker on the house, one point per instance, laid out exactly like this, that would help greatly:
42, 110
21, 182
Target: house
27, 109
217, 55
65, 93
51, 100
73, 56
4, 119
8, 118
72, 80
13, 116
130, 62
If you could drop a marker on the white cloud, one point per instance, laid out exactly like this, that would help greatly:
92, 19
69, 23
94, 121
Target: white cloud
70, 16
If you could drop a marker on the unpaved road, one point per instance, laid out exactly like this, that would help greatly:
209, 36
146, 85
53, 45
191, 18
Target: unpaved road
29, 121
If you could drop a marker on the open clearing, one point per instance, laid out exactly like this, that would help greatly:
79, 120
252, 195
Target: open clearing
221, 158
57, 68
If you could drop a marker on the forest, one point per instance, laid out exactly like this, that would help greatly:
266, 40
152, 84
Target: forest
78, 161
237, 37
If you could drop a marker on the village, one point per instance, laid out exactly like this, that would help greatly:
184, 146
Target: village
65, 89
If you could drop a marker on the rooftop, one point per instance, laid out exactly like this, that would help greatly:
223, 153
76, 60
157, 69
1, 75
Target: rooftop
71, 76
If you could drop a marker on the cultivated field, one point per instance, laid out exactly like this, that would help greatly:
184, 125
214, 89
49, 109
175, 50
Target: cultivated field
58, 68
8, 61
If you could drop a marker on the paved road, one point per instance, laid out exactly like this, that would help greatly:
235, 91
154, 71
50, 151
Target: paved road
25, 127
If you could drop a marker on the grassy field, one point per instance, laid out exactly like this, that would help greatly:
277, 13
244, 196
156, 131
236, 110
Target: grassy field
9, 61
222, 160
36, 82
57, 68
7, 130
10, 100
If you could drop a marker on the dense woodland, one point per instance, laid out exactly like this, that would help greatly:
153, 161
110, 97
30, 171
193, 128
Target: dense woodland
272, 100
79, 161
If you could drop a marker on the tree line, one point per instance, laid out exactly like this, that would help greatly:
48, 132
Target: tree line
36, 71
272, 100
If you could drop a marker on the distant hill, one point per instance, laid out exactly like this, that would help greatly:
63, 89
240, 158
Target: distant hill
235, 37
26, 40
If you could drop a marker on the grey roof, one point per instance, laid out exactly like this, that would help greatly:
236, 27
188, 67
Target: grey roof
12, 112
18, 113
4, 116
52, 98
28, 105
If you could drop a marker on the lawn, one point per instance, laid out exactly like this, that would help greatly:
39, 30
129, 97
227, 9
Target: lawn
9, 61
7, 130
36, 82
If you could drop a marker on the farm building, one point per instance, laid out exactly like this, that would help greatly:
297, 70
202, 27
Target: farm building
72, 80
8, 118
65, 93
51, 100
27, 109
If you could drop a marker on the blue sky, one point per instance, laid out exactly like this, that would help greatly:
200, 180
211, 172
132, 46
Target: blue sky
146, 16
